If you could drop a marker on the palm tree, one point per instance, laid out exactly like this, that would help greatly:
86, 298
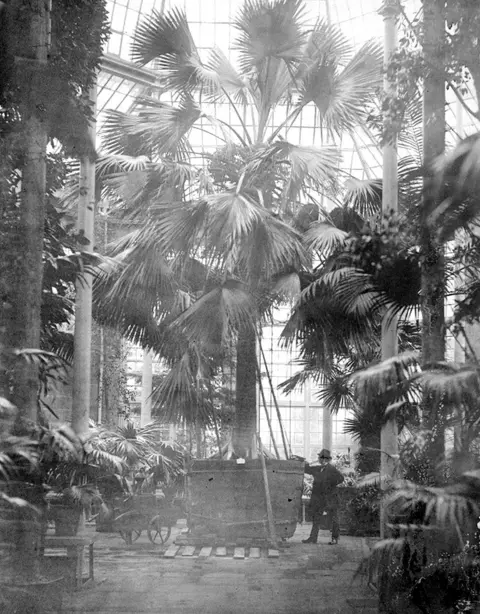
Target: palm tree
215, 242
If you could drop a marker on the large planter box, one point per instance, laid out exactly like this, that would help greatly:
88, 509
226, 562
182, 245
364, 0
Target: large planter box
227, 499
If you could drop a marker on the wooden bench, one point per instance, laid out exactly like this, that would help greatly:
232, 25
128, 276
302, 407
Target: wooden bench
74, 547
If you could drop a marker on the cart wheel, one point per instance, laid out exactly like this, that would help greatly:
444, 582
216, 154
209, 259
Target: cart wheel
126, 525
158, 533
130, 536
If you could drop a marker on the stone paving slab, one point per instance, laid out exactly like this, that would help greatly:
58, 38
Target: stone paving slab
304, 579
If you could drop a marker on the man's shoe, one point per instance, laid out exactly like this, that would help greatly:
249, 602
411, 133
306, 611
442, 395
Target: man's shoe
309, 541
333, 542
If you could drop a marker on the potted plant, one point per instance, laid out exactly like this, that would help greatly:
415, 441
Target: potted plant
66, 507
73, 476
141, 452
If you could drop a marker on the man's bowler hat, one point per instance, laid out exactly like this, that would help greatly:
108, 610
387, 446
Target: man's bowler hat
325, 454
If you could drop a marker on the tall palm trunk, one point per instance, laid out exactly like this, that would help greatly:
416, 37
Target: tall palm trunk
433, 261
31, 59
245, 423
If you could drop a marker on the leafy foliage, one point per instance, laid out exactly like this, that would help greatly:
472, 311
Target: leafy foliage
78, 33
237, 215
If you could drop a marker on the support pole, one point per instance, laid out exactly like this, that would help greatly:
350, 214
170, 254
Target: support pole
389, 434
147, 378
270, 517
83, 287
277, 408
327, 429
264, 401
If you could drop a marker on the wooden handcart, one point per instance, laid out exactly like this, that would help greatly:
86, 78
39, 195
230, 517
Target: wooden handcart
145, 512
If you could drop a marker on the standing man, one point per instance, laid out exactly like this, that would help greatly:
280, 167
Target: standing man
324, 498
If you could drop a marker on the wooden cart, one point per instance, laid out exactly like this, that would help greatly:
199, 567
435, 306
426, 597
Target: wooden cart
145, 512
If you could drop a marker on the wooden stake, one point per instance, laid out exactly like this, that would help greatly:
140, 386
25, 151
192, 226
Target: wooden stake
262, 392
277, 408
271, 521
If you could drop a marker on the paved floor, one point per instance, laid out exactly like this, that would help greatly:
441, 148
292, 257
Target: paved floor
304, 579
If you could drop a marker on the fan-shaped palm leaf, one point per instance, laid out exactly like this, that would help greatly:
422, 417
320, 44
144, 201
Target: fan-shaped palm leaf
325, 41
211, 320
142, 272
342, 97
107, 165
324, 238
160, 35
269, 30
181, 396
271, 249
155, 129
166, 39
335, 393
364, 196
229, 82
312, 166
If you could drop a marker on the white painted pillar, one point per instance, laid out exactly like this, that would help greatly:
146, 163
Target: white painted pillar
147, 378
81, 388
306, 420
327, 429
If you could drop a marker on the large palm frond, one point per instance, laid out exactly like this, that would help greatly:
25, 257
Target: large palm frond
364, 196
228, 81
181, 395
272, 249
324, 331
342, 96
141, 270
392, 379
270, 43
324, 238
328, 41
212, 319
155, 129
167, 40
161, 35
457, 184
309, 166
269, 30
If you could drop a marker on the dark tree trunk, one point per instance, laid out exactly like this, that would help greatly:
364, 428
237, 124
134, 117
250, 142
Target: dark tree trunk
245, 423
433, 260
31, 58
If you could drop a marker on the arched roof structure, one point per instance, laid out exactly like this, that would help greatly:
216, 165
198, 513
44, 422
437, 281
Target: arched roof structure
120, 81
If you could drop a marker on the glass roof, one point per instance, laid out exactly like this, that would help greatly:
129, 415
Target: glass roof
210, 19
210, 22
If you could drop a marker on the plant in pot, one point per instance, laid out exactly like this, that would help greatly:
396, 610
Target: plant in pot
146, 460
73, 476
